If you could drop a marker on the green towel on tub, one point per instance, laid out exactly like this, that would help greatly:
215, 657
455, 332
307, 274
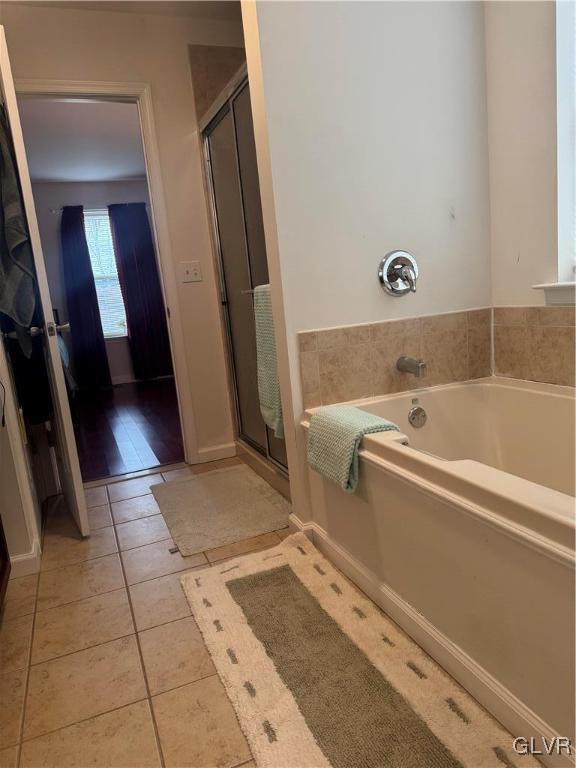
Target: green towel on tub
334, 438
268, 384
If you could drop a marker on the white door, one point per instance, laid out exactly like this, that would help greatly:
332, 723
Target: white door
67, 455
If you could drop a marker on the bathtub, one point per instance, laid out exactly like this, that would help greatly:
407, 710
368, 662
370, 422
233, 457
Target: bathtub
463, 531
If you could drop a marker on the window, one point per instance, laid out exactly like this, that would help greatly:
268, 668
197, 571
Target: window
101, 249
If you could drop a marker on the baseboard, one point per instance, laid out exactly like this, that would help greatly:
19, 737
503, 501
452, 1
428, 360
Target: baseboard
27, 563
215, 452
514, 715
116, 380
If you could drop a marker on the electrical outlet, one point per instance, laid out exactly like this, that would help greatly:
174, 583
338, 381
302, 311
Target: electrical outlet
191, 272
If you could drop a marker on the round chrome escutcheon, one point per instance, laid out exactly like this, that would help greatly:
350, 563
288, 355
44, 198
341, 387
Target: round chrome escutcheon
417, 416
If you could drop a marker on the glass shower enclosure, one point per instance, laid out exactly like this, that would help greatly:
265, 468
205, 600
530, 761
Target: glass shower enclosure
230, 154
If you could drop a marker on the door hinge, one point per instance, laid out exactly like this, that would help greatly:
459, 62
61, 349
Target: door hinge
168, 312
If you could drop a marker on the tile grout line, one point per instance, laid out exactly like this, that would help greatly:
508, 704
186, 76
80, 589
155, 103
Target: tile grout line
28, 670
83, 720
143, 666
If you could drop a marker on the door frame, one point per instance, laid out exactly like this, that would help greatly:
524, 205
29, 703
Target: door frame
141, 95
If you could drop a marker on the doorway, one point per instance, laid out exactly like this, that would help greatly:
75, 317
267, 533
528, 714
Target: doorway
232, 172
90, 187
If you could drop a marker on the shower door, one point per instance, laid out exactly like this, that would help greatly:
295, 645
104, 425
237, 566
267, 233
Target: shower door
233, 176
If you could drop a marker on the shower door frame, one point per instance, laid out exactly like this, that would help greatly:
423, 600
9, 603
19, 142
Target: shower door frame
220, 108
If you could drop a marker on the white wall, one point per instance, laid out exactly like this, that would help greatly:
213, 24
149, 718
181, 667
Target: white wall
49, 196
521, 88
55, 43
374, 116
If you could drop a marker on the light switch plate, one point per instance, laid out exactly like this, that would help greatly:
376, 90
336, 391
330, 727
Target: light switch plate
190, 272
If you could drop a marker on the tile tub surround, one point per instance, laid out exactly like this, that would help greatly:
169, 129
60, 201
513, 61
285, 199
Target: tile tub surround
359, 361
535, 343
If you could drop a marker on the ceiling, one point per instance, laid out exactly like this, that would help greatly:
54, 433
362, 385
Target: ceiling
80, 140
219, 10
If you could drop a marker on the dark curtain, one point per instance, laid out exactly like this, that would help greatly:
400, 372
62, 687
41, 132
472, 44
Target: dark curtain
88, 346
140, 284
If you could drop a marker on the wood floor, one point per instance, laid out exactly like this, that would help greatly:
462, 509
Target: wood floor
127, 429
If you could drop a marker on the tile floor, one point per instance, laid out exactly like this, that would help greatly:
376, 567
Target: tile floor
101, 662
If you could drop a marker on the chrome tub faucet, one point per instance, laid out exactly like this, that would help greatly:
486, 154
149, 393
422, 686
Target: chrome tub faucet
411, 365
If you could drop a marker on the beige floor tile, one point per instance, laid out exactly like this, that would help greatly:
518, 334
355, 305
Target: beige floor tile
80, 625
95, 497
82, 685
138, 533
99, 517
15, 636
178, 474
187, 659
75, 582
158, 601
155, 560
20, 598
12, 690
121, 738
127, 489
68, 547
134, 509
254, 544
201, 709
9, 757
199, 469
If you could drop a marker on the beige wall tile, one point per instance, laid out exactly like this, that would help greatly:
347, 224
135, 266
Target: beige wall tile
510, 315
551, 316
9, 757
312, 400
345, 373
449, 323
445, 353
479, 351
384, 332
401, 337
510, 353
357, 334
202, 709
124, 737
79, 625
15, 637
12, 690
550, 354
99, 517
254, 544
82, 685
96, 497
75, 582
146, 530
187, 660
479, 317
20, 597
159, 601
307, 341
310, 372
138, 486
134, 509
156, 560
331, 338
68, 547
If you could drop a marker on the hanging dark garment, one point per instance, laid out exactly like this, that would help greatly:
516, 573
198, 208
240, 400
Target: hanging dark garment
17, 274
88, 347
141, 291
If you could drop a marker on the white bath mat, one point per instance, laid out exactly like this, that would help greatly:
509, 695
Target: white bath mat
220, 507
319, 677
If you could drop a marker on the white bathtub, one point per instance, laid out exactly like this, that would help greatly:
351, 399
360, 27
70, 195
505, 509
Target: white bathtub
463, 531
